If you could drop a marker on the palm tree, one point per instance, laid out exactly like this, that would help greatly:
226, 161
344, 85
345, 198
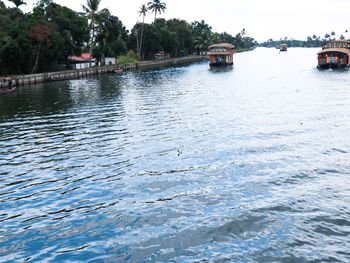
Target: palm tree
18, 3
333, 34
91, 11
156, 6
327, 37
104, 25
201, 44
143, 12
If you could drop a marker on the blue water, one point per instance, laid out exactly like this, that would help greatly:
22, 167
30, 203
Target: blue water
180, 165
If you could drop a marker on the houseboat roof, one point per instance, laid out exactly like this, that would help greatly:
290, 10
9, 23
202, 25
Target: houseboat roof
222, 45
336, 44
329, 50
228, 53
338, 40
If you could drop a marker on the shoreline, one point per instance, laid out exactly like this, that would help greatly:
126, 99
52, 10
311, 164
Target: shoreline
244, 50
28, 79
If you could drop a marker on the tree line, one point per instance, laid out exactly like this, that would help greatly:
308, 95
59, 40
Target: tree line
311, 41
43, 39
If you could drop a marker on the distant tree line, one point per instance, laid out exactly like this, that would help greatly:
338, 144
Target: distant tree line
43, 39
311, 41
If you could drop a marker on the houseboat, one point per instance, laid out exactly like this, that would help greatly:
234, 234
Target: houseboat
283, 47
221, 55
334, 54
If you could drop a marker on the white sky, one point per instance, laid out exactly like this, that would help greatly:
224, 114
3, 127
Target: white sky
262, 19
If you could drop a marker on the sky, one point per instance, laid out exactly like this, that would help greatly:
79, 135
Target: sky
262, 19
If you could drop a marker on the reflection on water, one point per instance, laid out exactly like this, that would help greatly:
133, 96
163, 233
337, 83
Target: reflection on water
221, 69
180, 165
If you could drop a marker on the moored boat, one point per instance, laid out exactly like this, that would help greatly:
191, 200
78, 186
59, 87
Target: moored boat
7, 90
118, 71
334, 54
221, 55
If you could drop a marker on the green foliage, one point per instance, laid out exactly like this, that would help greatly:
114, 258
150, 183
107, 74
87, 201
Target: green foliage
151, 42
202, 36
18, 3
46, 37
179, 38
183, 34
43, 39
130, 58
309, 42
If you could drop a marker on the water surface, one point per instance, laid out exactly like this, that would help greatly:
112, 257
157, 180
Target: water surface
180, 165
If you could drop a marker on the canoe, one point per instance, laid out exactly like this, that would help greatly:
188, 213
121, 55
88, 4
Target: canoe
118, 71
7, 90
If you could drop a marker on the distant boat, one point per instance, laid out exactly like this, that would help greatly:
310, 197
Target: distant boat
7, 90
118, 71
334, 54
221, 55
283, 47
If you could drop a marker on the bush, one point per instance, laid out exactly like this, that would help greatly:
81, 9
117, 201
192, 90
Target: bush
130, 58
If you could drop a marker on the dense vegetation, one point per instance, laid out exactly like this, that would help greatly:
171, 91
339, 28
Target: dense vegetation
43, 39
311, 41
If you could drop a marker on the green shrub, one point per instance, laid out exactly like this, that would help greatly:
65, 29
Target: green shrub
130, 58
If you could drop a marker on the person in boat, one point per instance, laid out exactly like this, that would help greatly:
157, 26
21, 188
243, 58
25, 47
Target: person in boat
7, 82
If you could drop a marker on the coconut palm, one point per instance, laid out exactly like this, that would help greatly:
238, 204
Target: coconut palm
156, 6
104, 25
333, 35
143, 11
91, 10
201, 44
18, 3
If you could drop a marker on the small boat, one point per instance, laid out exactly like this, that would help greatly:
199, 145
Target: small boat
7, 90
283, 47
118, 70
221, 55
334, 54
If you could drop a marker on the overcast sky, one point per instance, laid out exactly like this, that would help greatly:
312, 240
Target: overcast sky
262, 19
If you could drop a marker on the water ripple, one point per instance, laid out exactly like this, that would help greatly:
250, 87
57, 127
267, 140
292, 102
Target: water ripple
179, 165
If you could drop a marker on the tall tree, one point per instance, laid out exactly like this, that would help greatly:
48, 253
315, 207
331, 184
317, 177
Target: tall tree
91, 10
202, 35
104, 26
143, 11
156, 6
183, 33
72, 30
111, 37
40, 35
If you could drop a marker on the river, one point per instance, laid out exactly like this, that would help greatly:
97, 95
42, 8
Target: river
180, 165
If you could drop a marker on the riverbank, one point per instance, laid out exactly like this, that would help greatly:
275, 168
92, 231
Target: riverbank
20, 80
240, 50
